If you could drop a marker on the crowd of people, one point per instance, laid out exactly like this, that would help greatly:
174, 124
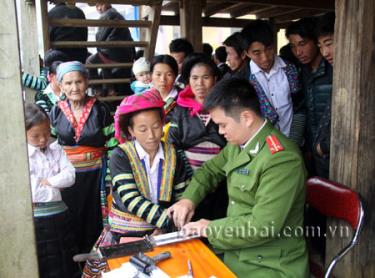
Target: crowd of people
204, 143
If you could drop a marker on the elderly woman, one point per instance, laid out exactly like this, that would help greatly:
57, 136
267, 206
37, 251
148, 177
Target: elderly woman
147, 174
84, 127
193, 132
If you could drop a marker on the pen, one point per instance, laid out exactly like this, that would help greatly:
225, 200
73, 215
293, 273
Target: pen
190, 269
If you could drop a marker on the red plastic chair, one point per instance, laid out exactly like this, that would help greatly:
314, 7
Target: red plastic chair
338, 201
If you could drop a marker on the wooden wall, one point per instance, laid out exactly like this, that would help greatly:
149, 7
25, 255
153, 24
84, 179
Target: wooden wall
18, 253
353, 126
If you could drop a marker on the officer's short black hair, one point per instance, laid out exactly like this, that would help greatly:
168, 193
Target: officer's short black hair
181, 45
325, 25
233, 95
257, 31
305, 28
235, 41
221, 54
165, 59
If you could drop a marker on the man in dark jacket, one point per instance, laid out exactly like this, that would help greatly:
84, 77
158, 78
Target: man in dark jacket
57, 33
316, 78
324, 34
112, 55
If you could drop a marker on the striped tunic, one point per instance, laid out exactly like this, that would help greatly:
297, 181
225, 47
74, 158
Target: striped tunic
201, 153
132, 211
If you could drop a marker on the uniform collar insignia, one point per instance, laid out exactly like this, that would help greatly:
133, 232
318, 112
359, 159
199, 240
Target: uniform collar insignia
255, 150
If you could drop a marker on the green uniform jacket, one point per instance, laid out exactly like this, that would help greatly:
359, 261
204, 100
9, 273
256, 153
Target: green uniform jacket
262, 235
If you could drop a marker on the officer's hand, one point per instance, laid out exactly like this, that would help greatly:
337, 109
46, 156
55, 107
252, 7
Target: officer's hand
181, 212
196, 228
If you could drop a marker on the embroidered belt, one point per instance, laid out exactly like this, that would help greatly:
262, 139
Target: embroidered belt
84, 157
123, 222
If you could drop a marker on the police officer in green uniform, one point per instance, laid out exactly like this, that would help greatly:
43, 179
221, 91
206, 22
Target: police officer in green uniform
262, 234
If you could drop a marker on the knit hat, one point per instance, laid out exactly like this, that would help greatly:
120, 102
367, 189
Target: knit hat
134, 103
141, 65
67, 67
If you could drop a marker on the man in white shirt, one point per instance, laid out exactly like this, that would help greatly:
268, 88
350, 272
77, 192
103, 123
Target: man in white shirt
274, 79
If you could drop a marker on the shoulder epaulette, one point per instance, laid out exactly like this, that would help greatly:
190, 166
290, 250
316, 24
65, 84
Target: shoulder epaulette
274, 144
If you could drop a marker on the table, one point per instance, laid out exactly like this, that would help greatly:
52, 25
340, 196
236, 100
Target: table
204, 262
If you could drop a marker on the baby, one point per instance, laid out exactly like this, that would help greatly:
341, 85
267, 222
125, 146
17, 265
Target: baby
141, 70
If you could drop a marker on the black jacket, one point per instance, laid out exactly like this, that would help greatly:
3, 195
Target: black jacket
117, 54
323, 138
317, 88
56, 33
187, 131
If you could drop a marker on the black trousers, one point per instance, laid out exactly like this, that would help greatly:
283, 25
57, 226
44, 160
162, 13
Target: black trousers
83, 200
56, 246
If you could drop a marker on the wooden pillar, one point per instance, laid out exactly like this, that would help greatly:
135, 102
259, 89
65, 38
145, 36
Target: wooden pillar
43, 5
29, 43
18, 253
353, 127
191, 22
150, 34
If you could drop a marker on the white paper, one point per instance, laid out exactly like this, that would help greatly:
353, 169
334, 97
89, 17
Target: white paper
127, 270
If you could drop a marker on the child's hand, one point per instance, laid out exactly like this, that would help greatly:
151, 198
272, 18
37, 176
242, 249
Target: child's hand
45, 182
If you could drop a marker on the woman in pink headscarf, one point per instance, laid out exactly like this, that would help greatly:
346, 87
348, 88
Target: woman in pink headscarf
147, 174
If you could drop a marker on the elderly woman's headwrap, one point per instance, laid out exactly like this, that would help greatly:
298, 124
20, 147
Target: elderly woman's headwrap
134, 103
64, 68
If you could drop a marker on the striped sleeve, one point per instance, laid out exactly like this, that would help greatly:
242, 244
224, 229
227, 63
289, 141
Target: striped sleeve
35, 83
42, 100
131, 199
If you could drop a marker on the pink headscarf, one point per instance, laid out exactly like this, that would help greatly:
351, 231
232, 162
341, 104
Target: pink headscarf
134, 103
186, 99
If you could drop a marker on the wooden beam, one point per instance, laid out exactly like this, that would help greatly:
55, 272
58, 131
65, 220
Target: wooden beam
171, 7
109, 81
307, 4
251, 9
99, 23
240, 9
122, 2
108, 44
111, 98
212, 9
18, 257
276, 11
109, 66
191, 22
353, 133
208, 21
297, 15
